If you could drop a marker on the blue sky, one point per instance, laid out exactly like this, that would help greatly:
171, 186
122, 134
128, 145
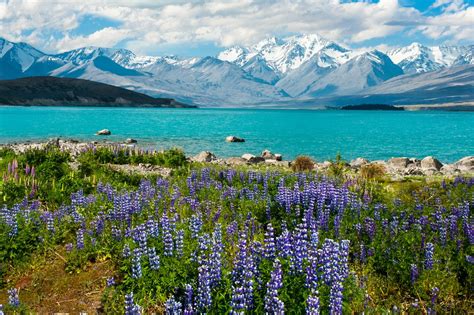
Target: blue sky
201, 27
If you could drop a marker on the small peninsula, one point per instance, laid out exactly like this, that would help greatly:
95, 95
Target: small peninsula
54, 91
372, 107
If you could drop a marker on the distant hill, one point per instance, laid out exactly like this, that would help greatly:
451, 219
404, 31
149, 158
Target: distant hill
53, 91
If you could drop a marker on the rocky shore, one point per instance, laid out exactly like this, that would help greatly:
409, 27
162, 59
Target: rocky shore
396, 167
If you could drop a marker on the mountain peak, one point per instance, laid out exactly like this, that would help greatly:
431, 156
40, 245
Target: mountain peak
283, 55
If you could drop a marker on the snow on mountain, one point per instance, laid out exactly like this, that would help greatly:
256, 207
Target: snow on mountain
258, 68
363, 71
444, 78
298, 81
417, 58
284, 55
15, 58
467, 58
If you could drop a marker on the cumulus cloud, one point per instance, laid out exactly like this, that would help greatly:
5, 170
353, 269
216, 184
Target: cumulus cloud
149, 24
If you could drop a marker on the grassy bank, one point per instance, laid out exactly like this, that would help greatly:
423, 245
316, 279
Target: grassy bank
85, 236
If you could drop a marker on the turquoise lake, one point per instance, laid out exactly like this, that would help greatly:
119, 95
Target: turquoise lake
320, 134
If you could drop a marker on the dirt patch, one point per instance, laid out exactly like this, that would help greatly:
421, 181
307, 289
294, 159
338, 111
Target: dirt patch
45, 287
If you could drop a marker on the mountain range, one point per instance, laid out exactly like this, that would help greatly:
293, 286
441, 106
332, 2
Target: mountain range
305, 68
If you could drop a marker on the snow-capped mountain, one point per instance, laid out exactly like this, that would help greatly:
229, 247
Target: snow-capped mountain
466, 58
284, 55
274, 70
363, 71
417, 58
16, 58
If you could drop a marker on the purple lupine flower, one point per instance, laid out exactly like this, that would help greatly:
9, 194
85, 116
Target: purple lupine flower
195, 225
312, 275
136, 264
167, 237
152, 227
13, 299
126, 251
370, 227
69, 247
188, 298
80, 239
110, 282
130, 307
273, 305
429, 252
243, 272
414, 273
269, 250
179, 243
470, 259
153, 259
215, 259
335, 298
172, 306
300, 246
312, 304
313, 243
433, 296
203, 296
285, 248
238, 299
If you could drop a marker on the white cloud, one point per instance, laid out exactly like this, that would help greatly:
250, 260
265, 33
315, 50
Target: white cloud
148, 24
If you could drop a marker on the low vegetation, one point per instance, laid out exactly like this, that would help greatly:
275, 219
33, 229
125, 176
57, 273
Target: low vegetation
209, 239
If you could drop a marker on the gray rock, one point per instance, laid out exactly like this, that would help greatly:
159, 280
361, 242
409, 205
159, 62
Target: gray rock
130, 141
268, 155
256, 159
234, 139
465, 164
248, 156
430, 162
450, 169
414, 161
103, 132
204, 156
235, 161
412, 169
430, 171
398, 163
358, 162
278, 157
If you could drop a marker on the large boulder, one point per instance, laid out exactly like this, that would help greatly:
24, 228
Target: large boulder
103, 132
234, 139
130, 141
250, 158
399, 163
278, 157
235, 161
430, 162
358, 162
203, 157
465, 164
450, 169
268, 155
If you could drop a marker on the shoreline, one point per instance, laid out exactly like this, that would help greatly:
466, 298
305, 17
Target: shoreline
397, 167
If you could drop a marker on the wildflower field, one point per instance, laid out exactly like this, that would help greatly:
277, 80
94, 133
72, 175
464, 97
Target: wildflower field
216, 240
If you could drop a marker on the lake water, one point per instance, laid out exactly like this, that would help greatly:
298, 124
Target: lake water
320, 134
